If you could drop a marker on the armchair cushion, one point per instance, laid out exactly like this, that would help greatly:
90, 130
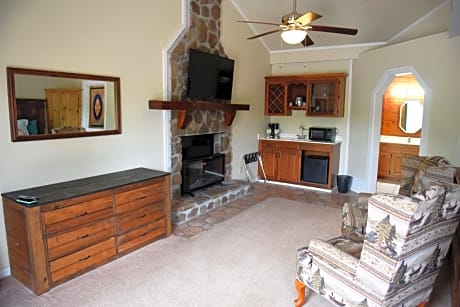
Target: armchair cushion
354, 218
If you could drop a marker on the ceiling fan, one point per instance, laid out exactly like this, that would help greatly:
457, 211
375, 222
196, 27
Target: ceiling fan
294, 27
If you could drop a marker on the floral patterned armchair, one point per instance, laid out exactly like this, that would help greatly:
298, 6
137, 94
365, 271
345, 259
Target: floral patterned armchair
406, 240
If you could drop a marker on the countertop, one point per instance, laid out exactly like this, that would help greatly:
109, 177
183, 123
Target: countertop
70, 189
295, 139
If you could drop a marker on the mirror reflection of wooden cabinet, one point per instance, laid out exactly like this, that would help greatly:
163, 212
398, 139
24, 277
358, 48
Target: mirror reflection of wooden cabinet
64, 108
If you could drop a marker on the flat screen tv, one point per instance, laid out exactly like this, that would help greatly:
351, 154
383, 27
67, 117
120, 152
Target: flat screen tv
210, 77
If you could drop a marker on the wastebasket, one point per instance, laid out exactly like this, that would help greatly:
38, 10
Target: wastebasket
344, 183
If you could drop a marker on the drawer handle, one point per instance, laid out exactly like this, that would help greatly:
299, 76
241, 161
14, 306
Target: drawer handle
142, 216
83, 214
142, 197
83, 237
86, 258
17, 244
144, 234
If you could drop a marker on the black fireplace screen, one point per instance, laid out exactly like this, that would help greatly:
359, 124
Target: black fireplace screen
198, 173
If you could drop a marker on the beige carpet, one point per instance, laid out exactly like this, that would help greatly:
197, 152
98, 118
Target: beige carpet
248, 260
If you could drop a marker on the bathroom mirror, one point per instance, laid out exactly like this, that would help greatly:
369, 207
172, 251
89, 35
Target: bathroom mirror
50, 104
411, 116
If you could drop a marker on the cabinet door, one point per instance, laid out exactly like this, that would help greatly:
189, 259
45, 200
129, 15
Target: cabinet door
276, 98
326, 97
289, 165
396, 164
270, 160
384, 164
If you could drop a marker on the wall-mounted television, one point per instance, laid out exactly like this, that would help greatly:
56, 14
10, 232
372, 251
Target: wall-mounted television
210, 77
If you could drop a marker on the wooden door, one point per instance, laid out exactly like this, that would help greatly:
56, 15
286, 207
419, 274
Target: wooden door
289, 165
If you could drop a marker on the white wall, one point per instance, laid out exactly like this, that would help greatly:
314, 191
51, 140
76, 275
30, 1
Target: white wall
117, 38
436, 59
252, 63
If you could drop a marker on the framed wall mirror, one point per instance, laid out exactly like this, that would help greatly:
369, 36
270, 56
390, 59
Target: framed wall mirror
411, 116
50, 104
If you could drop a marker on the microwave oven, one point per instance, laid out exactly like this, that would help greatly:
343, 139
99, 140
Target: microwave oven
322, 134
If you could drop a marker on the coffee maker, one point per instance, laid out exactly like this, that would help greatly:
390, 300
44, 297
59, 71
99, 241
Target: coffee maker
274, 130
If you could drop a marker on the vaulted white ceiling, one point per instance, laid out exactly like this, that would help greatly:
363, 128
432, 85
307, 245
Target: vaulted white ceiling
378, 21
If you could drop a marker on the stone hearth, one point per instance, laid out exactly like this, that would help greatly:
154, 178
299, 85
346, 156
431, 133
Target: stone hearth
187, 207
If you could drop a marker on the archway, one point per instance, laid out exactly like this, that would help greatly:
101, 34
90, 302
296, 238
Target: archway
376, 115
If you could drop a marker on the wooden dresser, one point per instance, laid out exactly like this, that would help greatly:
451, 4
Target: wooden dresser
81, 224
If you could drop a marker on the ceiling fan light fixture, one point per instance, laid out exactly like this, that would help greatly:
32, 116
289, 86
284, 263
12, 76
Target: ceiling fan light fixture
293, 37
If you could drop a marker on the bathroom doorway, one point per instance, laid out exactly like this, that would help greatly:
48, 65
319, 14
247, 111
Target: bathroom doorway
392, 126
401, 125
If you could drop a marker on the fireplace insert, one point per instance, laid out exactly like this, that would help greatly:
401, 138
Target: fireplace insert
200, 166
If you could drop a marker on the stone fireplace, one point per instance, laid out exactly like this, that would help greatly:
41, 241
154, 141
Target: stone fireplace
203, 33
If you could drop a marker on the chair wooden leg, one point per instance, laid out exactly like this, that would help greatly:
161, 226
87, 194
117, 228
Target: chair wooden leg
300, 287
423, 304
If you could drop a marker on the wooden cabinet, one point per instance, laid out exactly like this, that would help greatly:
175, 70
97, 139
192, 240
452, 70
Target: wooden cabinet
82, 224
317, 95
140, 216
390, 160
281, 160
64, 107
326, 96
276, 99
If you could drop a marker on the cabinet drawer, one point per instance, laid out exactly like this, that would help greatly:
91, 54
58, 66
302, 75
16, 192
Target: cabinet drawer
288, 145
268, 145
141, 236
139, 217
138, 198
77, 215
83, 260
68, 242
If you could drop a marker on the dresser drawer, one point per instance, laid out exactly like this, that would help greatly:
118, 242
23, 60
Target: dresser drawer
77, 215
68, 242
138, 198
141, 236
139, 217
76, 263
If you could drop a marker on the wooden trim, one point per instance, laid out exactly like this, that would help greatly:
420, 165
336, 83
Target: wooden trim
185, 108
38, 256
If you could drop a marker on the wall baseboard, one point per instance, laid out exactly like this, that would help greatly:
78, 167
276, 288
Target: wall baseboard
5, 272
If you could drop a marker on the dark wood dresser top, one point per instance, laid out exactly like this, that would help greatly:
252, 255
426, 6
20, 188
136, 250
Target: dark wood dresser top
74, 188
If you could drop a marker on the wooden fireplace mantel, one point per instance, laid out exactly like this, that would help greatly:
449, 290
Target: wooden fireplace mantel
186, 107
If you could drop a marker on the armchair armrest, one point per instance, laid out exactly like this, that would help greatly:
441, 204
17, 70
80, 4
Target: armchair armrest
334, 256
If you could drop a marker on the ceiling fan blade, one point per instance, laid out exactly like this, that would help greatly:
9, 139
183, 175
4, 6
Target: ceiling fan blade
308, 17
265, 33
260, 22
307, 41
348, 31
